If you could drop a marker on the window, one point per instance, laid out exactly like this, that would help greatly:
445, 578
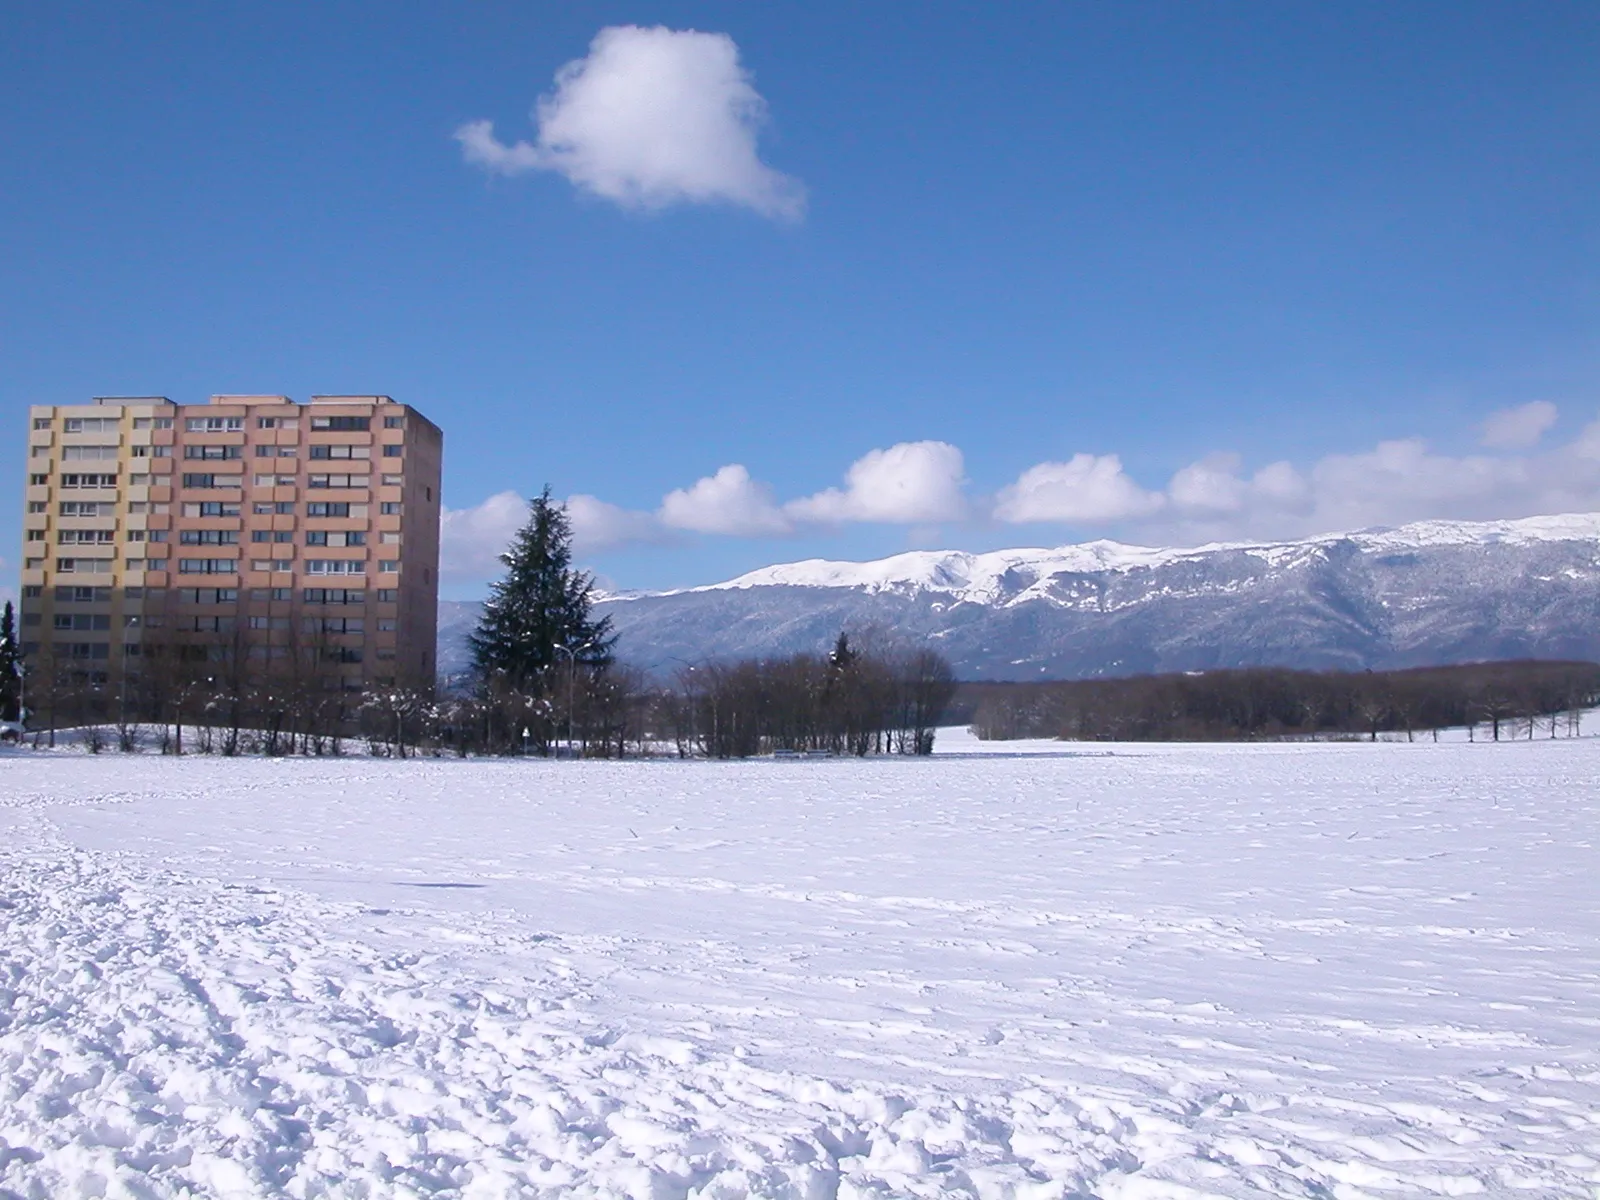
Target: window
389, 566
152, 452
334, 596
207, 566
139, 480
41, 480
390, 539
269, 622
36, 535
152, 422
335, 566
391, 451
158, 535
155, 564
212, 482
216, 452
335, 537
41, 422
83, 566
208, 595
341, 452
39, 451
90, 424
393, 480
394, 422
388, 595
136, 535
276, 451
261, 535
342, 654
82, 595
332, 624
336, 481
86, 537
345, 424
88, 649
82, 621
209, 537
386, 652
390, 508
31, 618
206, 624
210, 508
267, 422
272, 564
86, 453
387, 624
214, 424
263, 481
33, 592
138, 506
328, 508
282, 508
32, 564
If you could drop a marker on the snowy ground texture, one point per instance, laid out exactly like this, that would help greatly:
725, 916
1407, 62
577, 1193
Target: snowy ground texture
1329, 971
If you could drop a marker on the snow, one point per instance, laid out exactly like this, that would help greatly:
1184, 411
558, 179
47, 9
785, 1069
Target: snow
1326, 970
992, 577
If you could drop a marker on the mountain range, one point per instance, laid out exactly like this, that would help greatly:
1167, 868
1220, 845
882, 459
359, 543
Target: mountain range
1428, 593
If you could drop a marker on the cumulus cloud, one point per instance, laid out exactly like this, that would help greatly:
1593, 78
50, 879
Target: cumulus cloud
472, 539
650, 117
912, 483
1518, 428
1087, 489
729, 502
597, 525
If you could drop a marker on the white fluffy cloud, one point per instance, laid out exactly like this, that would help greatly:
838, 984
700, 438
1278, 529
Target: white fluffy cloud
921, 484
651, 117
472, 539
597, 525
729, 502
912, 483
1519, 428
1087, 489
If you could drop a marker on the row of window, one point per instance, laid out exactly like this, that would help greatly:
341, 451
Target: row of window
213, 482
75, 479
213, 537
80, 594
235, 482
229, 453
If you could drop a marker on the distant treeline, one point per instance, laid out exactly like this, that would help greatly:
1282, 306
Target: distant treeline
1505, 699
857, 702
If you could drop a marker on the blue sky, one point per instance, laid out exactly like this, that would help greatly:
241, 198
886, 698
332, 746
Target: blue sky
837, 280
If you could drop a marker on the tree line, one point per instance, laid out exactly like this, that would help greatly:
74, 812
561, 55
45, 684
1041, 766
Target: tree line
1501, 699
545, 681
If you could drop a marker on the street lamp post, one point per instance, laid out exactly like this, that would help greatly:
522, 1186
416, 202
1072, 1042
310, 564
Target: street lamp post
572, 681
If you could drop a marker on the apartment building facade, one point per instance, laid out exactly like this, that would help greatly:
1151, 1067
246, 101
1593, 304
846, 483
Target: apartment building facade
252, 534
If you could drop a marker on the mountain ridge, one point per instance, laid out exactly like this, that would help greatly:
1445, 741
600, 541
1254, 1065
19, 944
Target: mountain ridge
1424, 593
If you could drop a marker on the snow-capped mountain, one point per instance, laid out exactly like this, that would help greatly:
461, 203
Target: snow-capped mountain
1432, 592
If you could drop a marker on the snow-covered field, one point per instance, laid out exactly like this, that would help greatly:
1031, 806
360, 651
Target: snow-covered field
1324, 971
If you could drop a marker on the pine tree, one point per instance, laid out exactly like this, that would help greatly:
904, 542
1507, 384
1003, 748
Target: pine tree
10, 667
539, 614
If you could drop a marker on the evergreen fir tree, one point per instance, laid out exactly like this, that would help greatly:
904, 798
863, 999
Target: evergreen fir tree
10, 667
540, 605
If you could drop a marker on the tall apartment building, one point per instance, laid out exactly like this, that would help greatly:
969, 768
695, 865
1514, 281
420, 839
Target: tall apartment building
252, 531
